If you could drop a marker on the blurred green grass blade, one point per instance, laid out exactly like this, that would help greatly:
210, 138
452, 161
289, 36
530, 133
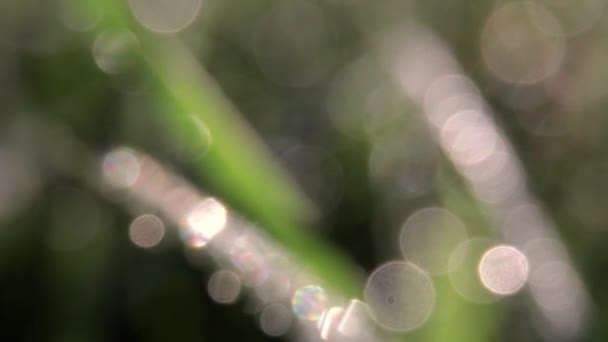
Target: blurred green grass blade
237, 163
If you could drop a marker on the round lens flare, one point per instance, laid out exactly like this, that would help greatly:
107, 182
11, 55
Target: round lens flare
515, 49
146, 231
309, 302
503, 270
275, 320
120, 168
429, 236
224, 287
400, 295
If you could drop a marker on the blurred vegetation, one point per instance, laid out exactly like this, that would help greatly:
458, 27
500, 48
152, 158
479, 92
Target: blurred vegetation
294, 97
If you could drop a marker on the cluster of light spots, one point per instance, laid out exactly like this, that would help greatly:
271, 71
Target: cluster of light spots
165, 16
113, 51
275, 320
328, 323
120, 167
429, 236
224, 287
465, 131
430, 76
516, 49
503, 270
455, 110
309, 302
400, 295
204, 221
472, 141
146, 231
356, 321
464, 275
294, 45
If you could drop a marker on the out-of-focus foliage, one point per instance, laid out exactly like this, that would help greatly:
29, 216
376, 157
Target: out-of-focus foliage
308, 78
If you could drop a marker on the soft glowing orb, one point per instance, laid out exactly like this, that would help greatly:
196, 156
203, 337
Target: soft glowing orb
400, 295
309, 302
146, 231
224, 287
515, 49
429, 236
120, 168
275, 319
203, 222
503, 270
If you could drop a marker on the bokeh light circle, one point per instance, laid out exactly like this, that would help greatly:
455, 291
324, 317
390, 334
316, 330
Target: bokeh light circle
428, 237
503, 270
515, 49
469, 138
146, 231
309, 302
276, 319
120, 167
400, 295
224, 287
